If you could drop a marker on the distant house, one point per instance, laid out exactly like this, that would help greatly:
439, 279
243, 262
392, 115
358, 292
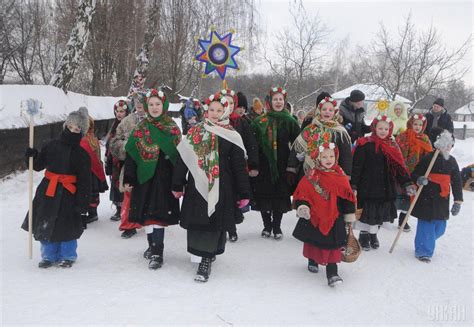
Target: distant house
373, 93
465, 113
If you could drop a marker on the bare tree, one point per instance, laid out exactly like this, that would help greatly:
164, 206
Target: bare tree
298, 54
412, 64
20, 39
77, 42
143, 58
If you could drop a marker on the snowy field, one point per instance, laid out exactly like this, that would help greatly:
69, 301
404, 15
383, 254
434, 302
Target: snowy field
256, 282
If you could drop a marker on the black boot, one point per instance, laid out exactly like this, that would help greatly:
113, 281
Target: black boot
66, 264
267, 224
204, 270
331, 274
233, 237
156, 259
92, 215
313, 266
116, 216
401, 217
45, 264
147, 253
364, 240
128, 233
374, 242
276, 225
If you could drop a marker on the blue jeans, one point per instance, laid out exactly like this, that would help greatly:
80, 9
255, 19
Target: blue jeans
58, 251
427, 232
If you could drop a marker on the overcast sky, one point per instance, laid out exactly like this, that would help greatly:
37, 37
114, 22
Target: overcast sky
360, 19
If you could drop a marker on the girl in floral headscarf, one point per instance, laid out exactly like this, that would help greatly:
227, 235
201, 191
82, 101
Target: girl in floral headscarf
324, 197
414, 144
217, 184
151, 156
326, 120
377, 166
274, 131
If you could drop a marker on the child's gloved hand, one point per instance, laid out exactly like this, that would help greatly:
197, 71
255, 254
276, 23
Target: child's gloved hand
455, 208
31, 152
349, 218
300, 156
411, 190
303, 212
177, 195
243, 203
422, 180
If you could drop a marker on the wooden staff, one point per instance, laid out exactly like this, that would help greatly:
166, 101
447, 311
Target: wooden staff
30, 191
412, 204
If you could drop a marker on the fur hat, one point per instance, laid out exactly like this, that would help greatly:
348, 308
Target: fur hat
242, 101
439, 102
79, 118
321, 96
356, 96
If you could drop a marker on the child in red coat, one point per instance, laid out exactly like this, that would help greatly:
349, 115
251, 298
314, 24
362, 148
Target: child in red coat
324, 198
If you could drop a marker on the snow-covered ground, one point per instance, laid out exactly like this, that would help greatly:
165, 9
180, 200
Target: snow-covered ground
255, 282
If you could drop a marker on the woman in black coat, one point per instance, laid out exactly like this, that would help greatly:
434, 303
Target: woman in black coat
272, 188
241, 126
217, 184
151, 154
62, 198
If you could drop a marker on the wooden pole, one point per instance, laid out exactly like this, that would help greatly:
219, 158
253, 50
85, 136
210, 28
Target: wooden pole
412, 204
30, 192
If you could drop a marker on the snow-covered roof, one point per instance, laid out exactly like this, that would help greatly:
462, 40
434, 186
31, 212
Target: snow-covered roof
372, 93
56, 105
467, 109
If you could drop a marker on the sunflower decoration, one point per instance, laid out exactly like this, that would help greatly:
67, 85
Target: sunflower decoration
382, 105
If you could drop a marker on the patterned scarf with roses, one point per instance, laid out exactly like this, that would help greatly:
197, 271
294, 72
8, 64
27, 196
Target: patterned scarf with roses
149, 137
200, 152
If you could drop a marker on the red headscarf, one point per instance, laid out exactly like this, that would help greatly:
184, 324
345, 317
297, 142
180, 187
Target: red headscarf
388, 146
321, 188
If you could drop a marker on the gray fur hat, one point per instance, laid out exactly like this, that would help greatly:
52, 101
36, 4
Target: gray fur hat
79, 118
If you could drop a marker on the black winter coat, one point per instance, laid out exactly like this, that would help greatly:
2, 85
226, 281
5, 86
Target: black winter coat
337, 236
57, 219
371, 177
264, 190
233, 186
430, 204
243, 128
153, 199
444, 121
355, 117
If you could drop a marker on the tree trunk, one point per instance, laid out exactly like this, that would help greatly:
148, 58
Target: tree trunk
72, 56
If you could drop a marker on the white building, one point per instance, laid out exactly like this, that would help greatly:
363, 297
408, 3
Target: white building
373, 93
465, 113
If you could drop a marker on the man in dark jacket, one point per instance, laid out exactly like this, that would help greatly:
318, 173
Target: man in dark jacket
353, 113
438, 117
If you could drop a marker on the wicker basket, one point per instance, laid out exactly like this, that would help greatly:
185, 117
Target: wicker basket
352, 250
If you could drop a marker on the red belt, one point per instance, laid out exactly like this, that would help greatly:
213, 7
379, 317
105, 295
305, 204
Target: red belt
68, 182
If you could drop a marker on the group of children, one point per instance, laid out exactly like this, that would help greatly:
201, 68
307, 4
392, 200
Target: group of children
227, 162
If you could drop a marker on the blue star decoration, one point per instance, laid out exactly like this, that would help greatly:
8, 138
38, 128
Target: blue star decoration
218, 53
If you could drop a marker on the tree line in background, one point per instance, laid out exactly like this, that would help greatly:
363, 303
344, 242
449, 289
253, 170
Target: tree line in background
102, 48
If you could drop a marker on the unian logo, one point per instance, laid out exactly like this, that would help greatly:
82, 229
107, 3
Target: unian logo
447, 313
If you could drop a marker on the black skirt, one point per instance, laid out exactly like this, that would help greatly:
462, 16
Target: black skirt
378, 212
205, 243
